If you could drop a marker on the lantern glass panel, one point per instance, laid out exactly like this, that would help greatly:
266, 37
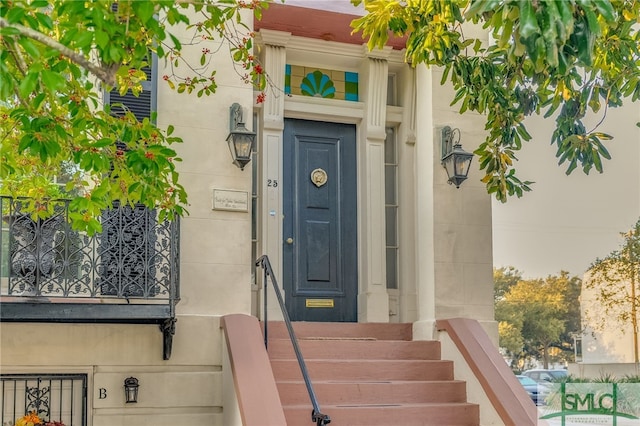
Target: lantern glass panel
243, 145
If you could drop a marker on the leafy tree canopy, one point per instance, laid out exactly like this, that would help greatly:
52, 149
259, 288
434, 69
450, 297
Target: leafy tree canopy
557, 58
535, 315
503, 279
56, 58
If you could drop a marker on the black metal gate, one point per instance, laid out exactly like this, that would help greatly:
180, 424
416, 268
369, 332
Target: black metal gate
52, 397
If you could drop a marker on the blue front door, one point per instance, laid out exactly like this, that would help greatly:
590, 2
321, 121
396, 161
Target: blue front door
320, 276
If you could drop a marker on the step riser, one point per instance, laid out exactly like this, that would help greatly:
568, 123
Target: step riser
355, 349
364, 370
368, 374
435, 415
374, 393
380, 331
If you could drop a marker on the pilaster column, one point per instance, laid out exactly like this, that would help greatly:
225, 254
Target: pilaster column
425, 230
274, 61
407, 199
373, 299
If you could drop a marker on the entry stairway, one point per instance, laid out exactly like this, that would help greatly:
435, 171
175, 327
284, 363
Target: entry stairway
367, 374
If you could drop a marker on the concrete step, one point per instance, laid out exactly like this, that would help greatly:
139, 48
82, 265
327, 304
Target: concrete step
367, 374
335, 392
367, 370
355, 349
378, 331
436, 414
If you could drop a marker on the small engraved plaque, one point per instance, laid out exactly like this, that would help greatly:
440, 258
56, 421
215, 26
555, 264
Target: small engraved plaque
319, 303
224, 199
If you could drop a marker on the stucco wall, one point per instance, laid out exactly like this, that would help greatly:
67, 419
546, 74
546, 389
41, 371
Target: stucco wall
215, 279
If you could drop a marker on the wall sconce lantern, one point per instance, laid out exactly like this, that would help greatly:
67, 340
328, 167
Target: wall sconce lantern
455, 160
240, 139
131, 390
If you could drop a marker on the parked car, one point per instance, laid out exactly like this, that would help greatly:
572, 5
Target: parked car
545, 376
538, 392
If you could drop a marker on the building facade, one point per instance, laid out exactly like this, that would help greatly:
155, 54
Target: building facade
345, 194
608, 344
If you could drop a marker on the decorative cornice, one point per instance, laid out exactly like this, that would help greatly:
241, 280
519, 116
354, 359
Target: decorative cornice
274, 38
316, 23
383, 53
322, 46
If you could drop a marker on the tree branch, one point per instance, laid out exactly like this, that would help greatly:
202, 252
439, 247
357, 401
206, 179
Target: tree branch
21, 64
105, 75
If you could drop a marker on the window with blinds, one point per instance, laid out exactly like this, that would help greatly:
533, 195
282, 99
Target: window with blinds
142, 105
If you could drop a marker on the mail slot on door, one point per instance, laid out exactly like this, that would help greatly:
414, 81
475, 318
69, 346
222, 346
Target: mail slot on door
319, 303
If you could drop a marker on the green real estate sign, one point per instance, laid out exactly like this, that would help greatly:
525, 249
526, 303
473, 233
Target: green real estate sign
568, 404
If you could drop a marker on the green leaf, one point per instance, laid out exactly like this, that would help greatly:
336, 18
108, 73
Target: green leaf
25, 142
38, 4
61, 132
100, 143
176, 42
15, 14
102, 38
597, 162
528, 22
44, 19
28, 84
93, 226
37, 101
603, 136
144, 10
53, 81
84, 39
565, 13
9, 31
29, 47
522, 131
115, 54
605, 8
592, 20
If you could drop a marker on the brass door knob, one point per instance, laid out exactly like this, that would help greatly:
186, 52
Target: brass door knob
289, 240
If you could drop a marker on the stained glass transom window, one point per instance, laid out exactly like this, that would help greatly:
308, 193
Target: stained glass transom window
323, 83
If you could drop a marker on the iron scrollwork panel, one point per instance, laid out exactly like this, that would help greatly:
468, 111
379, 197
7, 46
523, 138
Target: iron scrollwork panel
135, 255
43, 253
127, 252
59, 397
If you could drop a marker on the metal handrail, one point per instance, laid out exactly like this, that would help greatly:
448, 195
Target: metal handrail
316, 415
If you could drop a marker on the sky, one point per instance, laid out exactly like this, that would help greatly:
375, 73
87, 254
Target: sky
567, 222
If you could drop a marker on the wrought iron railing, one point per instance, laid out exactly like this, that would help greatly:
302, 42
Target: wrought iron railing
53, 397
316, 415
128, 273
134, 257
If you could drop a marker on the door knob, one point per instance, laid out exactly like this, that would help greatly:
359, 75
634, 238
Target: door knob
289, 240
